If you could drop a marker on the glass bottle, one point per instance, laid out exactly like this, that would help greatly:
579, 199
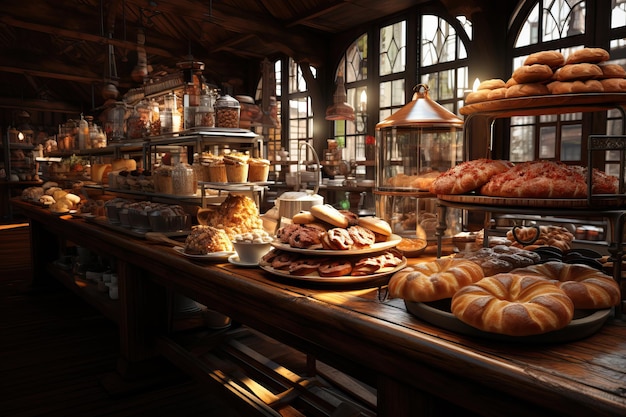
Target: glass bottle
83, 133
184, 179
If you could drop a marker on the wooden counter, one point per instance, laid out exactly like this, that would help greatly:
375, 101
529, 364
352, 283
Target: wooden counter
417, 368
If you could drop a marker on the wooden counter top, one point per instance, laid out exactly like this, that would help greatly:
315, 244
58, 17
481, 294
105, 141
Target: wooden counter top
412, 362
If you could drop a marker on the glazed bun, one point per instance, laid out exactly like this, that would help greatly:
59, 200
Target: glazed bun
514, 305
590, 55
580, 72
376, 225
526, 90
491, 84
329, 214
477, 96
532, 73
304, 217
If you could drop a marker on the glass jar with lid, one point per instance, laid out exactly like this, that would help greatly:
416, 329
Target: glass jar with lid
205, 113
184, 179
227, 112
138, 123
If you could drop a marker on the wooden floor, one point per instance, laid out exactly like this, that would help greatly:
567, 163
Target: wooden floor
56, 351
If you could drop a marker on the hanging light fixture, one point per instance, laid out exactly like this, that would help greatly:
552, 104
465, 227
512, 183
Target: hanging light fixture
268, 101
340, 109
109, 90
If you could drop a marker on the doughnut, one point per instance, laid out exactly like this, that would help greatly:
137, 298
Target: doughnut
553, 59
587, 287
329, 214
513, 305
336, 268
534, 73
591, 55
435, 280
361, 236
337, 239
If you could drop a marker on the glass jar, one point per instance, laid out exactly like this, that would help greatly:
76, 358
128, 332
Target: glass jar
227, 112
184, 179
205, 113
138, 124
114, 126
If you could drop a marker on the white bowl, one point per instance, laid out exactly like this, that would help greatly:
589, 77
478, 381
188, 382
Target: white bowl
251, 253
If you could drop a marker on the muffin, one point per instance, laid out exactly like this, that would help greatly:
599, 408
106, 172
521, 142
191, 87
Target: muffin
258, 169
236, 167
217, 170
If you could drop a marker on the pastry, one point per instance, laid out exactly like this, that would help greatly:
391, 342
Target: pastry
435, 280
468, 176
514, 305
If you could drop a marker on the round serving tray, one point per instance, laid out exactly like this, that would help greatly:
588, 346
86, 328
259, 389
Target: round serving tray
347, 279
515, 202
376, 247
585, 323
553, 103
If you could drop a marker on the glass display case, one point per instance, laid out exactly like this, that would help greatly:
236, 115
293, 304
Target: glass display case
413, 146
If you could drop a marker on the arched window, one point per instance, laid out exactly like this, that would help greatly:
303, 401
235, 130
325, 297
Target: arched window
435, 56
564, 25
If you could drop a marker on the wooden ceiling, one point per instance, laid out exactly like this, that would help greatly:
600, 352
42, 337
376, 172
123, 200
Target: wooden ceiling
54, 53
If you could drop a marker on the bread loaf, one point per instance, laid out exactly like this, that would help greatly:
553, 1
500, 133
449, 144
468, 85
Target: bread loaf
588, 287
553, 59
513, 305
435, 280
532, 73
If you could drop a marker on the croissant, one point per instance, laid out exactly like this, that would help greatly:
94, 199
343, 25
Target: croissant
513, 305
586, 286
435, 280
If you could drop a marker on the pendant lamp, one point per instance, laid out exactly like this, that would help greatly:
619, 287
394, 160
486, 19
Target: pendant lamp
340, 109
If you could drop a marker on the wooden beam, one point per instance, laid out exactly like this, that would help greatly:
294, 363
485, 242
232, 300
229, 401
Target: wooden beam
40, 105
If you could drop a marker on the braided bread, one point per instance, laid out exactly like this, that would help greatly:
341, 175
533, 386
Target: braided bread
586, 286
514, 305
436, 280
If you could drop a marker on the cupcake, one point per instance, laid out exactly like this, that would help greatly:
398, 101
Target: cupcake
236, 166
258, 169
217, 170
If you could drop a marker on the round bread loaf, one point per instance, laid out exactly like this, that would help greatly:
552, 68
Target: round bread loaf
497, 93
553, 59
435, 280
477, 96
613, 85
612, 71
513, 305
581, 72
329, 214
526, 90
586, 286
535, 73
591, 55
491, 84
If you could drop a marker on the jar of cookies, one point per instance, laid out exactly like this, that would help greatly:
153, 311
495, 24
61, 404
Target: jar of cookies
227, 112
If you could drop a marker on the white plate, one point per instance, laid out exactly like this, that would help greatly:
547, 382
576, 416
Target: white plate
376, 247
348, 279
214, 256
234, 259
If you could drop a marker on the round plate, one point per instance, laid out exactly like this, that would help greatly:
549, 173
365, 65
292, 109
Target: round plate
348, 279
584, 324
214, 256
234, 259
376, 247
